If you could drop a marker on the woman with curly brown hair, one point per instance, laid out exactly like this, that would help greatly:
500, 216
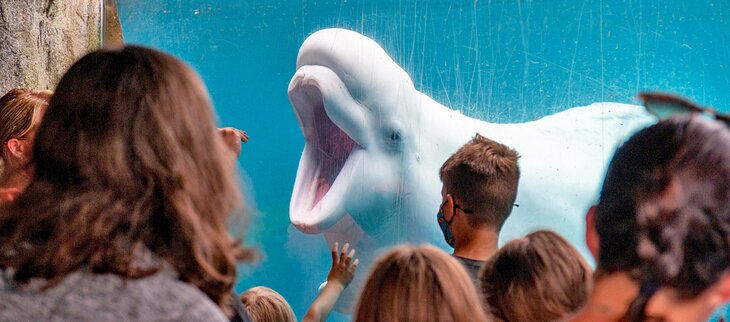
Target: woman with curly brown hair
21, 111
125, 218
661, 230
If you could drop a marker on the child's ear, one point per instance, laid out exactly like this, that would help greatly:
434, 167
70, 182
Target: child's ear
592, 240
15, 148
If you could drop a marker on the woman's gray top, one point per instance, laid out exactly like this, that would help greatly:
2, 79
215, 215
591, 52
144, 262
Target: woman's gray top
82, 296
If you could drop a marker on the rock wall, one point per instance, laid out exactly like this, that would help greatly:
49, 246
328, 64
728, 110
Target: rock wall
40, 39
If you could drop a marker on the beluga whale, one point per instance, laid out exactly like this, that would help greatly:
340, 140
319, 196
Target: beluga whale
368, 174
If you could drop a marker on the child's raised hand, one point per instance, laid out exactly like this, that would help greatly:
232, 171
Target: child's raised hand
343, 265
341, 274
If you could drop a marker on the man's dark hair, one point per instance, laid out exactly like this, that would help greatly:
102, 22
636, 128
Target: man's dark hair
664, 211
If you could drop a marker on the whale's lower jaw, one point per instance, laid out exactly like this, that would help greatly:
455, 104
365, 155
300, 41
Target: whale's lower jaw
320, 190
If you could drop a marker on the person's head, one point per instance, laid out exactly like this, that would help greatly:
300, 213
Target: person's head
21, 111
266, 305
128, 158
418, 283
664, 211
480, 184
539, 277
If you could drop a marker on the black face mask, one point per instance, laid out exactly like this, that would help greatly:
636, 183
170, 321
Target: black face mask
446, 225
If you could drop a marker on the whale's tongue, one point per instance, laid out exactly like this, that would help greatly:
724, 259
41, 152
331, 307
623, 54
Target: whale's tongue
322, 187
332, 147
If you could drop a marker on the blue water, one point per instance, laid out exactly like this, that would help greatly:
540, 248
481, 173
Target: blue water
504, 61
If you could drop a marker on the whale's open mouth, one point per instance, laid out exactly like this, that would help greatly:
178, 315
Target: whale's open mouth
326, 165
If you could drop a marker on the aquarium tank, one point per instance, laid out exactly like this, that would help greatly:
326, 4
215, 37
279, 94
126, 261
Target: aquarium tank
497, 61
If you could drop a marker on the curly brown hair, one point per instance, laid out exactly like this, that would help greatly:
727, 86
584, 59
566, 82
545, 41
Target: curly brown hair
664, 211
127, 158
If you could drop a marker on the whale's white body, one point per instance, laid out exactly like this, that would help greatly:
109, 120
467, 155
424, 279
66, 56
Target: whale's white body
364, 121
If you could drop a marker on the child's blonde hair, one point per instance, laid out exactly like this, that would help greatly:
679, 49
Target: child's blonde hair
19, 112
266, 305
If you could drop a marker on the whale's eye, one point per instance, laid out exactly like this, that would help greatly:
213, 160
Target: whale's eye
393, 135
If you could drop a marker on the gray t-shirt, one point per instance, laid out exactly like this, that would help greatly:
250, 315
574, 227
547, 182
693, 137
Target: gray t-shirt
473, 267
83, 296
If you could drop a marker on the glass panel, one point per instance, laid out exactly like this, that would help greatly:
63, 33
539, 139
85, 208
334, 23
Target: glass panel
498, 61
111, 29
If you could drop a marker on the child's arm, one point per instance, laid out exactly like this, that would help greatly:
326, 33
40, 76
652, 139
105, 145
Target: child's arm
341, 274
